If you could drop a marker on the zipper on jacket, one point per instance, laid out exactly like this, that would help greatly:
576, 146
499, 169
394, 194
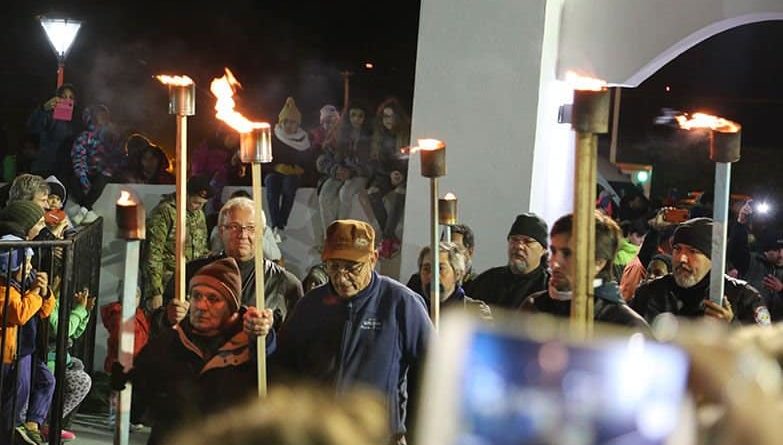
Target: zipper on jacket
347, 327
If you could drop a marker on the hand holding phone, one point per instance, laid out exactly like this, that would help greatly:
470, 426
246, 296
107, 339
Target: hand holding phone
63, 110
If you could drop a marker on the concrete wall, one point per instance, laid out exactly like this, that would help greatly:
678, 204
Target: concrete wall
477, 81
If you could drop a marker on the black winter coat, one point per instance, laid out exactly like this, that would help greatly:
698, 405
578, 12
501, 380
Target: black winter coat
501, 287
664, 295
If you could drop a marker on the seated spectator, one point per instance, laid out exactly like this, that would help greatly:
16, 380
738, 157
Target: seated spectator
77, 382
390, 170
95, 156
452, 269
134, 144
204, 364
291, 147
345, 166
320, 136
149, 167
217, 158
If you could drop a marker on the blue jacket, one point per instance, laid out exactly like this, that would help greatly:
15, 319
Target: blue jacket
375, 338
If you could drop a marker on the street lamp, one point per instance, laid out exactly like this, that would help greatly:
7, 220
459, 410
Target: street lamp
61, 34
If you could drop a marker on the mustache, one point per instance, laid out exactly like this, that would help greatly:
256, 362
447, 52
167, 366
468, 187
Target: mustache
682, 267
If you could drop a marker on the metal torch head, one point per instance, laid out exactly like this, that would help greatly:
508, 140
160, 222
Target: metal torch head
725, 146
447, 210
433, 158
590, 112
131, 218
256, 146
182, 99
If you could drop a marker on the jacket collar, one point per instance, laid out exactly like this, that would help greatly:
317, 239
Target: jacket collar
234, 352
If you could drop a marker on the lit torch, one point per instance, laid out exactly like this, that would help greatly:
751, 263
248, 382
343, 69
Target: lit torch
433, 166
255, 140
447, 214
182, 103
724, 139
131, 227
590, 117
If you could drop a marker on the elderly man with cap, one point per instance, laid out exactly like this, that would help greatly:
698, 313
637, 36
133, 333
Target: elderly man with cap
206, 363
361, 329
508, 286
159, 248
685, 291
236, 223
763, 269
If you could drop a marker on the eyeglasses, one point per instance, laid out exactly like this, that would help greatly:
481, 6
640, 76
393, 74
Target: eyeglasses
238, 228
334, 268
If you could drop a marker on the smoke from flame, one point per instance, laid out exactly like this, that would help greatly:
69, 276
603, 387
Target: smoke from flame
578, 82
223, 88
125, 199
181, 81
702, 120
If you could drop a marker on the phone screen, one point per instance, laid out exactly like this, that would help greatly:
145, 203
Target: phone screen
63, 111
507, 389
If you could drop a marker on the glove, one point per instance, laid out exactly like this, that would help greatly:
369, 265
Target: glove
118, 377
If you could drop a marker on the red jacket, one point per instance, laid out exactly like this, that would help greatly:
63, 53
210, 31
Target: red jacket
111, 315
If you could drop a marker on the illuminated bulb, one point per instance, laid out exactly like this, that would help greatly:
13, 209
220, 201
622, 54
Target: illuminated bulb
763, 207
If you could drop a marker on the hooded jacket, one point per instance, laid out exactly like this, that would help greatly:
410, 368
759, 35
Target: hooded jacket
376, 338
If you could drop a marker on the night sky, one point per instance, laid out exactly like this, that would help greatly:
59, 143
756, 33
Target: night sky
279, 48
275, 49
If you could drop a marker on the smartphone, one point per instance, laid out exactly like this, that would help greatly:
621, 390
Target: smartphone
675, 215
63, 111
510, 385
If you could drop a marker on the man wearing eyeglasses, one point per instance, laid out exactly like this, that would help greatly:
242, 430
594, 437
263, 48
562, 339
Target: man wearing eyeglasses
236, 223
360, 329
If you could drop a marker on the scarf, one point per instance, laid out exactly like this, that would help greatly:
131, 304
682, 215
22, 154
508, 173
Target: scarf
298, 141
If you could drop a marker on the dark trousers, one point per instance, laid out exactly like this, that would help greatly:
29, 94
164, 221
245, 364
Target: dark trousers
87, 199
280, 195
34, 389
387, 221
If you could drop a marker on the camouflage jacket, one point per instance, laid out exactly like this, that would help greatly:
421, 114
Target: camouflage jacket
159, 258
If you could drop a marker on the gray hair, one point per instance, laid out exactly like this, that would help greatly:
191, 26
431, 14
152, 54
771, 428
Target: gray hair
456, 257
25, 187
242, 202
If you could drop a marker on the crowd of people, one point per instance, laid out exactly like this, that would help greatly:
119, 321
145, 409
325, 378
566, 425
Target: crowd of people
352, 156
343, 325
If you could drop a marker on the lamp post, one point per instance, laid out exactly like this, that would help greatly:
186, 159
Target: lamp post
61, 34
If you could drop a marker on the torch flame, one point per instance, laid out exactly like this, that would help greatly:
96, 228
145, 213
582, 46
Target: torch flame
450, 196
702, 120
427, 144
180, 81
125, 199
578, 82
223, 88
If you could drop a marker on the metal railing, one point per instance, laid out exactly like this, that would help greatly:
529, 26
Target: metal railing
72, 264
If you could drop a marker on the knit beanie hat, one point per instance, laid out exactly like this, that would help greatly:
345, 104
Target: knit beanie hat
23, 214
222, 276
329, 110
530, 224
290, 111
697, 233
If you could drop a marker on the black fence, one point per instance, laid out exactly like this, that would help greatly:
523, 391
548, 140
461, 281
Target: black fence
72, 265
